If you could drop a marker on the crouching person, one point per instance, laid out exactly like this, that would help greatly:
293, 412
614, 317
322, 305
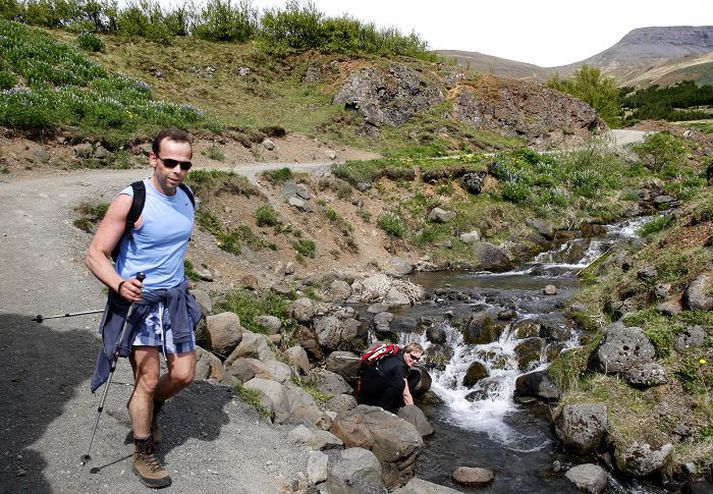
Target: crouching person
390, 383
164, 312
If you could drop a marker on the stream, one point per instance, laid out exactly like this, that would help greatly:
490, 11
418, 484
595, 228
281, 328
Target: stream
481, 424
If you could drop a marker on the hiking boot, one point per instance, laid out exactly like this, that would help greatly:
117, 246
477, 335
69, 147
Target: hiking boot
147, 467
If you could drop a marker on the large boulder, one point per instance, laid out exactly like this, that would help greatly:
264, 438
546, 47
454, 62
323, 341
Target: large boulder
691, 336
538, 384
341, 403
483, 328
394, 441
303, 309
588, 478
528, 352
346, 364
476, 371
339, 290
334, 332
398, 266
330, 383
298, 359
243, 369
413, 415
355, 471
224, 332
273, 397
582, 426
490, 257
252, 345
646, 375
208, 366
640, 459
624, 347
304, 409
307, 338
698, 294
314, 438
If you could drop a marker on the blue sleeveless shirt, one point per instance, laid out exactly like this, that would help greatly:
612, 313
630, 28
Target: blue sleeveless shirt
159, 245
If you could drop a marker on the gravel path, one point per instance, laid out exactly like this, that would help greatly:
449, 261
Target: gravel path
213, 442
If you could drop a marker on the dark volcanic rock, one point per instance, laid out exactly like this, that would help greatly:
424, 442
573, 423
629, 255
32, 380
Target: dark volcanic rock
582, 426
475, 373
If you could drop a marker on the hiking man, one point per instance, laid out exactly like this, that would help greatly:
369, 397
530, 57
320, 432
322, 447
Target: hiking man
390, 383
164, 312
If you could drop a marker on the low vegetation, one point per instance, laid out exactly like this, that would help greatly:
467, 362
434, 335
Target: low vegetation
249, 306
685, 100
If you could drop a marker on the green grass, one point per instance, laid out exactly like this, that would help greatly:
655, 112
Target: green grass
266, 216
392, 224
248, 306
252, 397
305, 247
278, 176
656, 225
90, 215
190, 271
63, 87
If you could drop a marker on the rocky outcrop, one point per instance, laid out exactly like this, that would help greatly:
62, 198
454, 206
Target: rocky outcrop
390, 98
582, 426
622, 348
542, 116
394, 441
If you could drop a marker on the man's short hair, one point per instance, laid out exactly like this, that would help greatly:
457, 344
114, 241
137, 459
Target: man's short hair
172, 134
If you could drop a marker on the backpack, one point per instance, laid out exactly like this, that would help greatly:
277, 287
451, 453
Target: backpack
378, 352
137, 206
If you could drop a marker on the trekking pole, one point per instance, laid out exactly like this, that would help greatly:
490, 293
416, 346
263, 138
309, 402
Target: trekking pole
86, 457
41, 318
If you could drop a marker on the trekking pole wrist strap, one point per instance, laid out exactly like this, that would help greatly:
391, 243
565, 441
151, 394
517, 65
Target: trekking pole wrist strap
118, 288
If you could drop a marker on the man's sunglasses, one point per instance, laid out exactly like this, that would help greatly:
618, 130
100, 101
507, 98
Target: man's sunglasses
414, 358
171, 163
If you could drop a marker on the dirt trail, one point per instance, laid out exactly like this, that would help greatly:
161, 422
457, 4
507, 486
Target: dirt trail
48, 412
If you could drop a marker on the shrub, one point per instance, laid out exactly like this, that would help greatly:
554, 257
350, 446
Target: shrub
221, 21
248, 306
90, 42
278, 176
702, 213
655, 225
392, 224
215, 153
266, 216
8, 80
661, 150
306, 248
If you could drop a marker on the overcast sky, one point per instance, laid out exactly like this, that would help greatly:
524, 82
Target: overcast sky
544, 32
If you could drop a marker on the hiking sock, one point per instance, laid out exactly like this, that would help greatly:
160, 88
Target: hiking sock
147, 467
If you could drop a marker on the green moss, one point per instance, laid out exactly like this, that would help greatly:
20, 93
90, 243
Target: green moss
252, 397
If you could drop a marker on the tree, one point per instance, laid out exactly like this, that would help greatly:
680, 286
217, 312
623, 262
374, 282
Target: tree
597, 91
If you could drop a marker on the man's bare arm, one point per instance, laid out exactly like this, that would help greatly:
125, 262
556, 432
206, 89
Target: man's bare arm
108, 235
408, 399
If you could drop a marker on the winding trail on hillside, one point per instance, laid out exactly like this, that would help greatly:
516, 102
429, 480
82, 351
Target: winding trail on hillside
214, 443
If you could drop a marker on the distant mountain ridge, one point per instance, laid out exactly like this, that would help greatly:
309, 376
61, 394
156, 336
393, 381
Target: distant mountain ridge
644, 56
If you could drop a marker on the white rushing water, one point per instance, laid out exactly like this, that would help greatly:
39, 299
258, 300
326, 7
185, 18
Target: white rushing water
485, 406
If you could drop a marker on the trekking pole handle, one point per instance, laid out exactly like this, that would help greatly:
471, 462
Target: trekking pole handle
141, 276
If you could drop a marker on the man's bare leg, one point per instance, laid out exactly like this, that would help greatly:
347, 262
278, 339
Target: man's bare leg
181, 370
146, 380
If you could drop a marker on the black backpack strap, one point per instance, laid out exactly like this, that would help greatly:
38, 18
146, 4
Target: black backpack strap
188, 192
137, 206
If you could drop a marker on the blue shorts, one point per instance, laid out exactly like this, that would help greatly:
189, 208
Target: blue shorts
156, 331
